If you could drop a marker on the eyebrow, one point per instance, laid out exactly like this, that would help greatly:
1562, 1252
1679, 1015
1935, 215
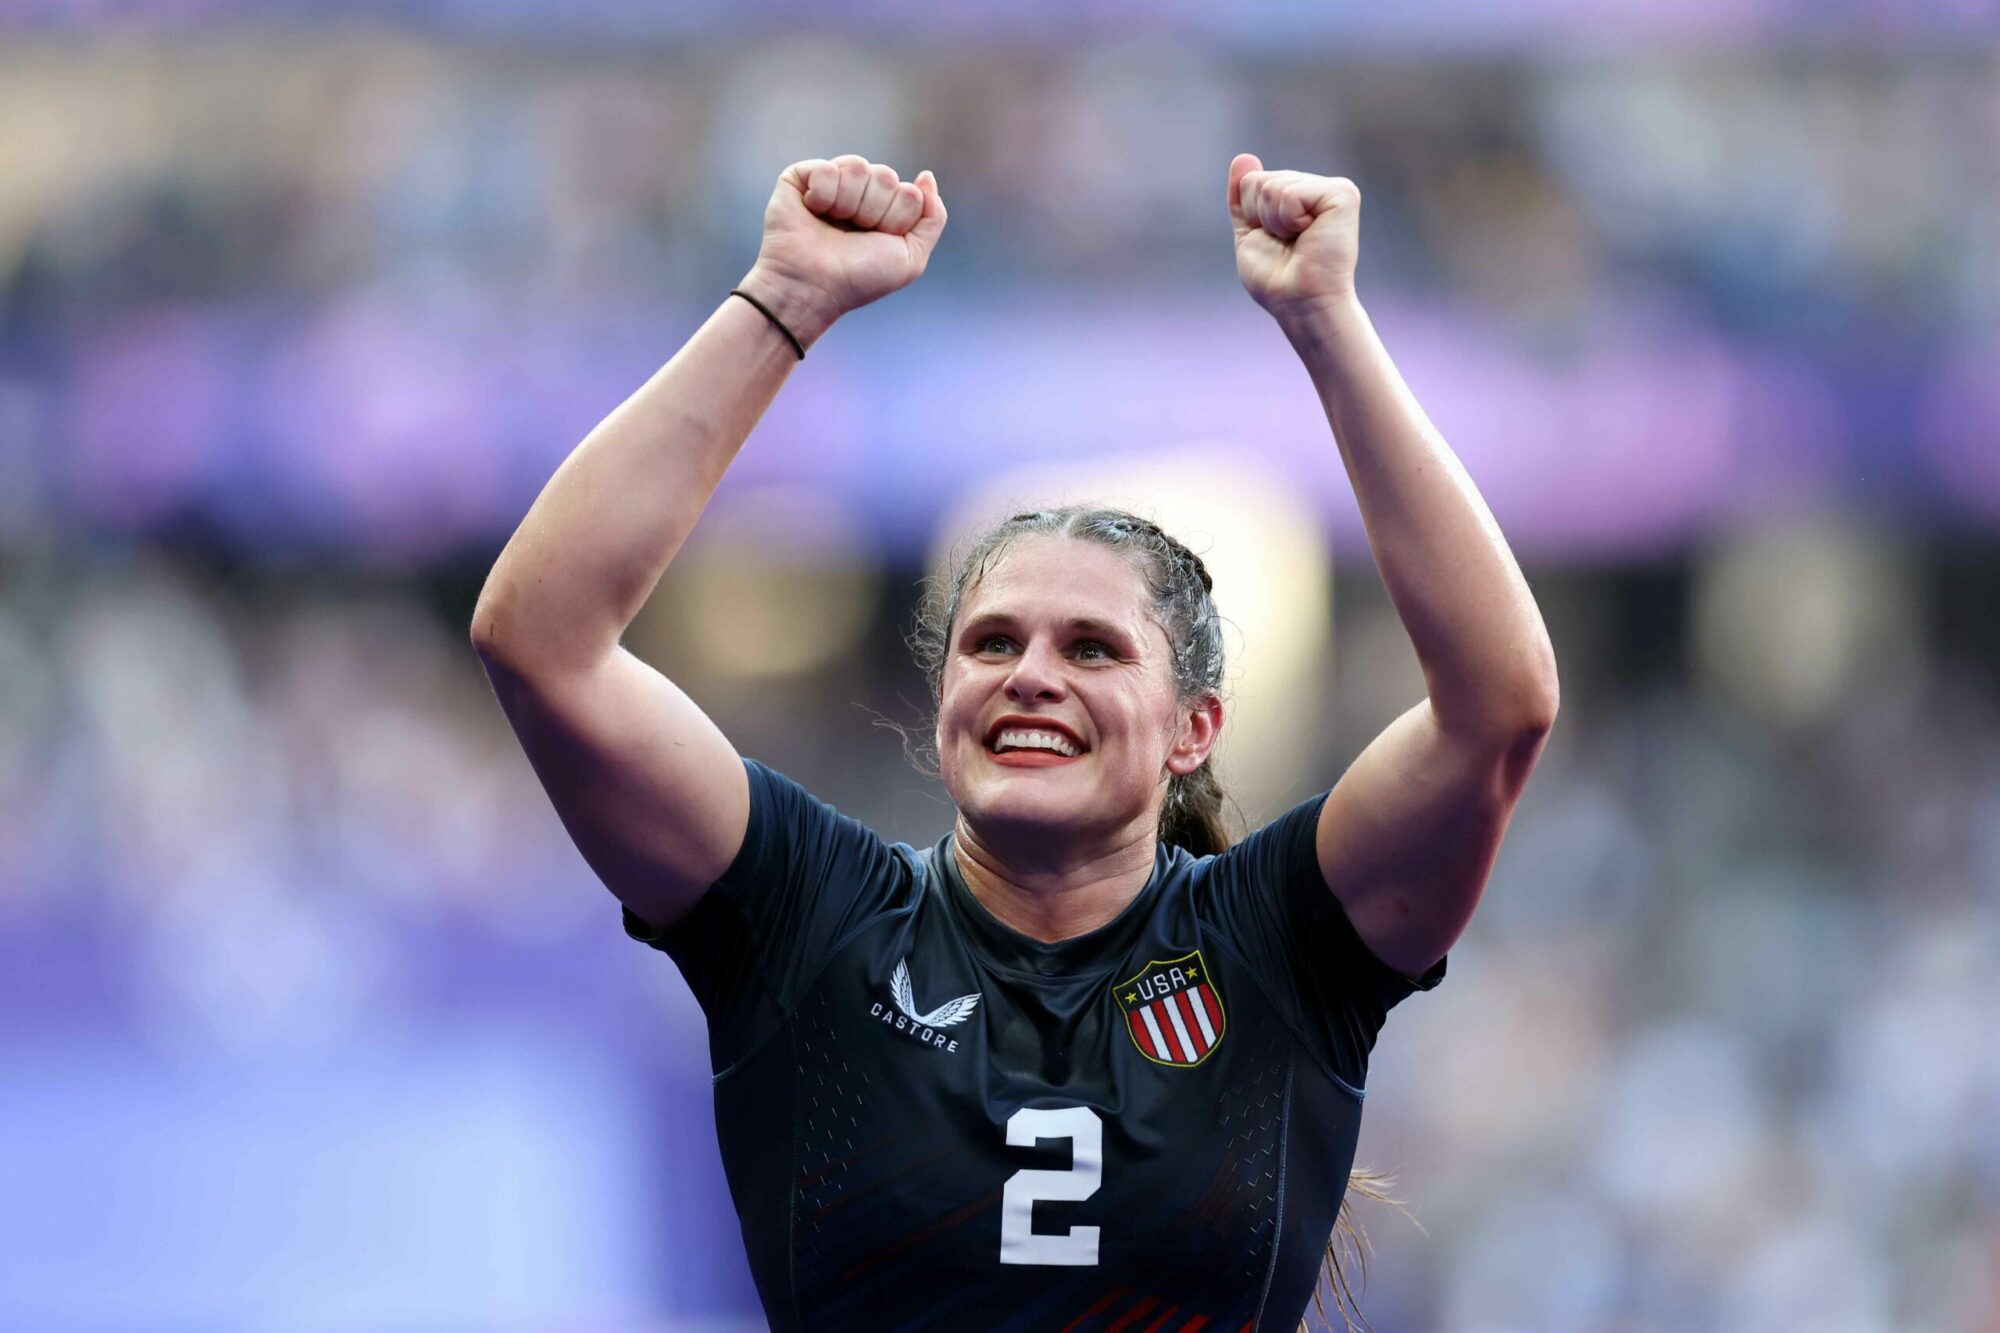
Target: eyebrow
1079, 624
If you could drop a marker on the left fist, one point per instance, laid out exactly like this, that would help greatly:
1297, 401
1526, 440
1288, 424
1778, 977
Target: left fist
1297, 236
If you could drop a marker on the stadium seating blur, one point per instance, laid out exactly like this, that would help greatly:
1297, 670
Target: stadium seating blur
310, 1015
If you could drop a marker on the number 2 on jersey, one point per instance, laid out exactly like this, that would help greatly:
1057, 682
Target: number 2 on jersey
1020, 1243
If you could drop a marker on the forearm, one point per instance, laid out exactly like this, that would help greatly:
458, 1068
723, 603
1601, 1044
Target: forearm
594, 544
1478, 634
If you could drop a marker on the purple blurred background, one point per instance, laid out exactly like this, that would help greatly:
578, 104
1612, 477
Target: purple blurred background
312, 1018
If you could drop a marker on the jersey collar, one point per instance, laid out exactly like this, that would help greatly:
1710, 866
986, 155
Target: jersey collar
1081, 956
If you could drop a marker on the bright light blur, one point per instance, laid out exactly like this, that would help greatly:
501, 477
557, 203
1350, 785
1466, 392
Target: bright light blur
311, 1017
772, 582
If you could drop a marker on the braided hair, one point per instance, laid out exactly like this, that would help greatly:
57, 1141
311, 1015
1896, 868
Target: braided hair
1180, 588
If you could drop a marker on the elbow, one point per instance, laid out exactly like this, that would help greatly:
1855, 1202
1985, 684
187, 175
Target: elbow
501, 663
481, 629
505, 613
485, 630
1506, 709
1529, 724
1496, 719
516, 639
1539, 698
1513, 724
1526, 661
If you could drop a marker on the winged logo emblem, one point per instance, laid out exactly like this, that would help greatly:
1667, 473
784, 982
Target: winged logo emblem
946, 1015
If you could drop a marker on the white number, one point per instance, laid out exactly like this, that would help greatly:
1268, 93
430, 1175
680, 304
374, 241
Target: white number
1020, 1243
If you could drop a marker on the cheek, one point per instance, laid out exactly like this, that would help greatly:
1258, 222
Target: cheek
1136, 715
956, 715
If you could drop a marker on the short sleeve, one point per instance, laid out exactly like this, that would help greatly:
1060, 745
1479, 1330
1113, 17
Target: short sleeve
806, 878
1268, 899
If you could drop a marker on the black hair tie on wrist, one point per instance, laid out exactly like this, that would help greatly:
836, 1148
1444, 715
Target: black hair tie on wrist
738, 291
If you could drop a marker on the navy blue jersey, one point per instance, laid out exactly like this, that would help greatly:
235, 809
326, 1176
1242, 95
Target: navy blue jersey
930, 1120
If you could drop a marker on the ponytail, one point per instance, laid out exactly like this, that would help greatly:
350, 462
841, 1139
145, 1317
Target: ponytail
1191, 818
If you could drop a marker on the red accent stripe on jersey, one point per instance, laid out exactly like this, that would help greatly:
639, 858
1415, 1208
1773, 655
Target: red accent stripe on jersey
1195, 1325
1165, 1315
1139, 1033
922, 1234
1096, 1309
1125, 1321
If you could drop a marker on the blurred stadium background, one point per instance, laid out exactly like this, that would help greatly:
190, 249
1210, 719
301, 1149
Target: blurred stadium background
311, 1017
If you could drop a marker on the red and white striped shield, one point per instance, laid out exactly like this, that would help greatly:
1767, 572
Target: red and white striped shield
1173, 1011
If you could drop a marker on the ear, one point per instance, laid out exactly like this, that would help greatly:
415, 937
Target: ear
1201, 727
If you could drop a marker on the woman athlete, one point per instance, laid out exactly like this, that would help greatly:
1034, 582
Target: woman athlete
1081, 1064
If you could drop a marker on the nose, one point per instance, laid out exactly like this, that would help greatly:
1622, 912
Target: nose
1037, 674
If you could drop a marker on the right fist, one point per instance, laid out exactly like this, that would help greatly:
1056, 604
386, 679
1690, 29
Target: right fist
840, 234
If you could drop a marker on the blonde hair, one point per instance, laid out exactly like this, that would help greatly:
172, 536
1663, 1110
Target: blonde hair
1369, 1185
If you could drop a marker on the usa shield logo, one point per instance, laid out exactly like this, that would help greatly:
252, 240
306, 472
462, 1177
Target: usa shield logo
1173, 1011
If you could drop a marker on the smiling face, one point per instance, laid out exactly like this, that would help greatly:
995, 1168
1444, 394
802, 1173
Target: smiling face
1057, 637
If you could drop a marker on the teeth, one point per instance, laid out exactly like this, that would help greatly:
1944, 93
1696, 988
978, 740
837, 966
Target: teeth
1013, 739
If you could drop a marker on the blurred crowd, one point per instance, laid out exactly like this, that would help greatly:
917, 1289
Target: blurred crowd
234, 273
1796, 197
1718, 1052
294, 323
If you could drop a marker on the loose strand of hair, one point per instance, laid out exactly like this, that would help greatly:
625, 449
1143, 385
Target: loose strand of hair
1350, 1234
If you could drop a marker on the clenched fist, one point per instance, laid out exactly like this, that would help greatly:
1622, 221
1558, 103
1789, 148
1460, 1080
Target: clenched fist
839, 234
1297, 236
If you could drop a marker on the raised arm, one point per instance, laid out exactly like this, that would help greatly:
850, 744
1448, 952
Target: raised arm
1411, 830
650, 790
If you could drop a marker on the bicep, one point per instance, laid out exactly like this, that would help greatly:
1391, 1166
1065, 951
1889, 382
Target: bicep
1408, 836
652, 793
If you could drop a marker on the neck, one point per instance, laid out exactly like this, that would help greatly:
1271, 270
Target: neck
1057, 900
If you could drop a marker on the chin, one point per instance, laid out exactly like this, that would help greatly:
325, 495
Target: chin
1018, 796
1056, 807
1049, 818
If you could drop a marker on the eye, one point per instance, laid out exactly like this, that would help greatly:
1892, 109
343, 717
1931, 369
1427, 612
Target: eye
1095, 650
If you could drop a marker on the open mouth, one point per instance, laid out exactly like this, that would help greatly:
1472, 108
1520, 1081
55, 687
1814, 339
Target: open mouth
1020, 743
